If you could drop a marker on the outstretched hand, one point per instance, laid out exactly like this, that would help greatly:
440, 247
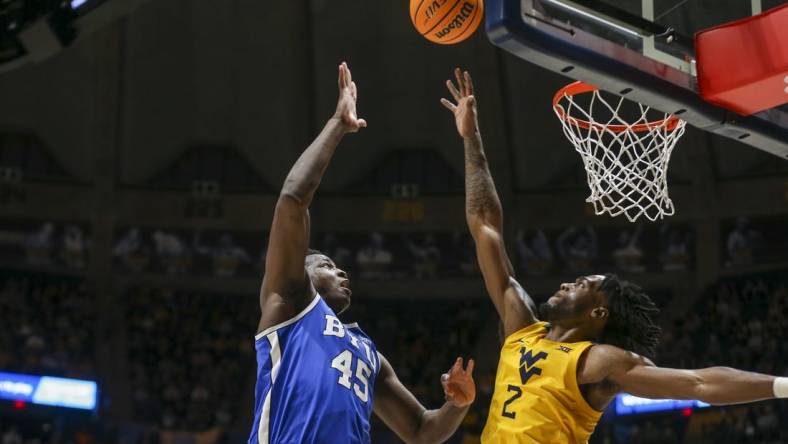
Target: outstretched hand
465, 108
346, 104
458, 385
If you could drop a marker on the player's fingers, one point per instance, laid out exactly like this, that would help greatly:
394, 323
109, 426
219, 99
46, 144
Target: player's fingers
450, 106
458, 75
349, 74
457, 367
469, 369
362, 123
453, 90
468, 84
341, 77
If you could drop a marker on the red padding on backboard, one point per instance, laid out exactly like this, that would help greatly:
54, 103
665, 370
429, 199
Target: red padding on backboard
743, 65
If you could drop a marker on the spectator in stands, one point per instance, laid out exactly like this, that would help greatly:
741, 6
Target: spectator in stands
39, 245
133, 251
628, 255
425, 256
742, 243
74, 247
536, 256
578, 248
172, 252
675, 248
227, 256
374, 260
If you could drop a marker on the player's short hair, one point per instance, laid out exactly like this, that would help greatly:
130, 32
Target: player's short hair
632, 314
311, 251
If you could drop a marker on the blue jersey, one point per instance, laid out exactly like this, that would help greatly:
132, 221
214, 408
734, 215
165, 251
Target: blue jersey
315, 380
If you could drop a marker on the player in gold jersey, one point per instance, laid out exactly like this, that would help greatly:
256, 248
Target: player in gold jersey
555, 378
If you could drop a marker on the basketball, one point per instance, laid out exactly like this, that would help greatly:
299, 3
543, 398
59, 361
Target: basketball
446, 21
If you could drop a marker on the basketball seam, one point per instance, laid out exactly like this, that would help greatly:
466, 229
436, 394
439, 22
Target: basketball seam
442, 18
416, 13
470, 23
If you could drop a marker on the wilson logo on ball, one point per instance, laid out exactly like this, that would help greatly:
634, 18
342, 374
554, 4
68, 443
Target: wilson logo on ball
446, 21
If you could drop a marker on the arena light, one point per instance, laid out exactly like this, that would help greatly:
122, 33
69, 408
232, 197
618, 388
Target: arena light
627, 404
48, 390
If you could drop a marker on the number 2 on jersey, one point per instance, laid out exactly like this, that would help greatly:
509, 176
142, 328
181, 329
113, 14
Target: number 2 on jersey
343, 362
517, 393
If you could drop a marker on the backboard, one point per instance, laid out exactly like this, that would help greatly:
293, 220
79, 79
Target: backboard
642, 49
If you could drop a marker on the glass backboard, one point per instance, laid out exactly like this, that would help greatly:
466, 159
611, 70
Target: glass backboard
639, 48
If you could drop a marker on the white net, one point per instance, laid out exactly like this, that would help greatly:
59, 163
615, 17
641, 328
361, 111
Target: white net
626, 158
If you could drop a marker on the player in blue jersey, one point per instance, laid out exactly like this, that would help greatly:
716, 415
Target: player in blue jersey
318, 380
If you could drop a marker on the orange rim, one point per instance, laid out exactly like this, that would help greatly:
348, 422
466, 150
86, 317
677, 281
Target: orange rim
580, 87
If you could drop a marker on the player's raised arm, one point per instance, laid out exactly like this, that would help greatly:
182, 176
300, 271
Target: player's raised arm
285, 288
408, 418
638, 376
484, 214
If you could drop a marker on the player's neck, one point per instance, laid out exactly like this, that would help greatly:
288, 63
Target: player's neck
572, 333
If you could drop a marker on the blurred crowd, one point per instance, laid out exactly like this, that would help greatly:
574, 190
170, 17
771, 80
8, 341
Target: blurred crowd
189, 356
48, 325
173, 252
420, 255
45, 245
738, 323
390, 255
634, 249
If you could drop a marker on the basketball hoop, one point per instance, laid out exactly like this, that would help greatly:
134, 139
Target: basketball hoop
625, 151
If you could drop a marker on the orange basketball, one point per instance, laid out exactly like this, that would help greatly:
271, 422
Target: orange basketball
446, 21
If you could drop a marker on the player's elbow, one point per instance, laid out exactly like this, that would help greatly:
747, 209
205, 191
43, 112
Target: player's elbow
698, 387
299, 190
483, 232
478, 219
475, 228
291, 197
413, 434
706, 390
422, 432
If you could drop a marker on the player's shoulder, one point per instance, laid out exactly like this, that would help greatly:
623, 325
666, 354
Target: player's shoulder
602, 360
615, 355
357, 330
525, 331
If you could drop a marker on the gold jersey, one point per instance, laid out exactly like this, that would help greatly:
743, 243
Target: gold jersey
536, 398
